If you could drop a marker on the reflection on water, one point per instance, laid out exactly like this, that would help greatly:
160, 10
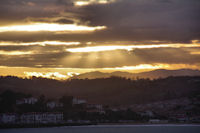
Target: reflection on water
111, 129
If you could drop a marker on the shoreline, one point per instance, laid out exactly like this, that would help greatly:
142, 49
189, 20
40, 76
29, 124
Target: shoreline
11, 126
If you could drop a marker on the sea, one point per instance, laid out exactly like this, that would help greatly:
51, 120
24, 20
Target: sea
171, 128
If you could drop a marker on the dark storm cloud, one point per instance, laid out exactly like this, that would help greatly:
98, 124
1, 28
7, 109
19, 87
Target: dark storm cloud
167, 55
64, 21
13, 11
33, 60
16, 48
148, 19
126, 20
42, 36
40, 49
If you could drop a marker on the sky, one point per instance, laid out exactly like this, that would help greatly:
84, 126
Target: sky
61, 38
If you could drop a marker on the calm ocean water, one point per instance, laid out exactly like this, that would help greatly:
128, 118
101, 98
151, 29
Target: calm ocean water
111, 129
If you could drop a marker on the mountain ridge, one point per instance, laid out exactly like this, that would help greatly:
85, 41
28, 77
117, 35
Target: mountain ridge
159, 73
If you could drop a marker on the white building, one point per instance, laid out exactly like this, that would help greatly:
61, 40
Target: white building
48, 117
147, 113
27, 118
154, 121
8, 118
30, 100
95, 108
78, 101
54, 104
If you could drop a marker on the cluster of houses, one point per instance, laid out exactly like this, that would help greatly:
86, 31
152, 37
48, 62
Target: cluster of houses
49, 104
29, 100
44, 117
57, 117
31, 118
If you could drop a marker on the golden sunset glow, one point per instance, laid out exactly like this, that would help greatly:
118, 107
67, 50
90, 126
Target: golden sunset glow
82, 3
98, 48
44, 43
141, 67
15, 52
195, 52
51, 75
149, 67
71, 74
65, 73
88, 2
50, 27
129, 47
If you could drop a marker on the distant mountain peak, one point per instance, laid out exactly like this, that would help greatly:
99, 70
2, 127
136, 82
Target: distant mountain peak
158, 73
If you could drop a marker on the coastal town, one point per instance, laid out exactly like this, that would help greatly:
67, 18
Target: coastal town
69, 110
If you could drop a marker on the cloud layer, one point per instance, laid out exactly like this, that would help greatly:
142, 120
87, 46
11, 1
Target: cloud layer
117, 24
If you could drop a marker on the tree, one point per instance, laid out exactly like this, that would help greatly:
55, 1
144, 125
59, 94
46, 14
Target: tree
66, 101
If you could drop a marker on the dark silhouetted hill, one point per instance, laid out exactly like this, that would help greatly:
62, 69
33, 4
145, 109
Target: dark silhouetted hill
112, 91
